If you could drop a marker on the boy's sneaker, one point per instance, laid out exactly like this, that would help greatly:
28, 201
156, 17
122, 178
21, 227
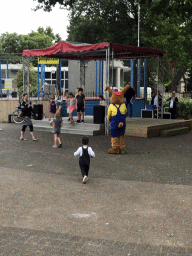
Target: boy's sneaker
85, 179
82, 121
60, 145
78, 121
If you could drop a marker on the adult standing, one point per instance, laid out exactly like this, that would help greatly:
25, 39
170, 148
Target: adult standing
26, 114
130, 93
156, 100
14, 93
173, 101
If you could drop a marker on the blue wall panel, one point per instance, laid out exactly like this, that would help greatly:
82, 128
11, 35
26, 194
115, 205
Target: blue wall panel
137, 106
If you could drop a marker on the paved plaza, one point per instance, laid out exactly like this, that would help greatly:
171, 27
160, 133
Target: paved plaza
137, 204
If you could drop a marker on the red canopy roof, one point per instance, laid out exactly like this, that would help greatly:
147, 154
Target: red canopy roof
64, 50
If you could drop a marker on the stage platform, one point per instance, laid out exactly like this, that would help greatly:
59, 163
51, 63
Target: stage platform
86, 128
136, 127
151, 127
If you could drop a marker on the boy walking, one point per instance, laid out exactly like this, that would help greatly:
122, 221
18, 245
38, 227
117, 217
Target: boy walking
84, 160
80, 105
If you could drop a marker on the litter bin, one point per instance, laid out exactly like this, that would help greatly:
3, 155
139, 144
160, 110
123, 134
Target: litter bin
38, 108
99, 114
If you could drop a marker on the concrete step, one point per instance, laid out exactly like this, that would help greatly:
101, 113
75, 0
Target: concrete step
86, 128
174, 132
70, 131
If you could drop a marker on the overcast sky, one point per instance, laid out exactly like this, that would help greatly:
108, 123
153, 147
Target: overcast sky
17, 16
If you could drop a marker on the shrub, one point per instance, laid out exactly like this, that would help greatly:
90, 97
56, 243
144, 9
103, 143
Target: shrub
184, 108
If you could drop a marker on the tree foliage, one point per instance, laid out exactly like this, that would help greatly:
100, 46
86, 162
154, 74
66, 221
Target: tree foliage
32, 80
189, 82
104, 20
169, 29
15, 43
47, 5
49, 32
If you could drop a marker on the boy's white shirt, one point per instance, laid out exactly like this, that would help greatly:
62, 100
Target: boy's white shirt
80, 151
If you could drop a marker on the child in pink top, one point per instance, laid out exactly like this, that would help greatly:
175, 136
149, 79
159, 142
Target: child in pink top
71, 106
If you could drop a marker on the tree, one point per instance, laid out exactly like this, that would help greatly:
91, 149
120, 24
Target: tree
169, 26
104, 20
32, 80
15, 43
189, 81
49, 32
47, 5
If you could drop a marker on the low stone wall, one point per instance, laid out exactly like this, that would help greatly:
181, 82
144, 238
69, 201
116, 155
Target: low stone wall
7, 107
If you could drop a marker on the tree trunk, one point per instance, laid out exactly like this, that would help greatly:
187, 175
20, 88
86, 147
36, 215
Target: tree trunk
181, 71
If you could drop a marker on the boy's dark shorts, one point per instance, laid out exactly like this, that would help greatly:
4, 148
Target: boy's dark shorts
58, 133
80, 108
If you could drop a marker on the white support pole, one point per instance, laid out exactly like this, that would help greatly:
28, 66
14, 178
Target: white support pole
108, 64
162, 58
158, 87
138, 61
28, 77
107, 93
23, 74
112, 67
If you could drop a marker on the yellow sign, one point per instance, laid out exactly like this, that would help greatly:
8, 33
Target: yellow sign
42, 60
8, 84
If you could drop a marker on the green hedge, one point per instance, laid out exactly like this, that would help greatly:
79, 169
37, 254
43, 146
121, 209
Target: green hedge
184, 108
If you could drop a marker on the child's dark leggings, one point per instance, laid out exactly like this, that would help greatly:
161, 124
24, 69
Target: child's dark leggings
84, 169
30, 127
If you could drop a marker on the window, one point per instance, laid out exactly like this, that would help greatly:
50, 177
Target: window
47, 75
64, 81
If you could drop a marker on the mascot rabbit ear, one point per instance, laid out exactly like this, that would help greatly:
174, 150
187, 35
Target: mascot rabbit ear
126, 88
108, 89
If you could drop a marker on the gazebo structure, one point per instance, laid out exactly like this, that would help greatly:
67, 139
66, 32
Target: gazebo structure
101, 51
